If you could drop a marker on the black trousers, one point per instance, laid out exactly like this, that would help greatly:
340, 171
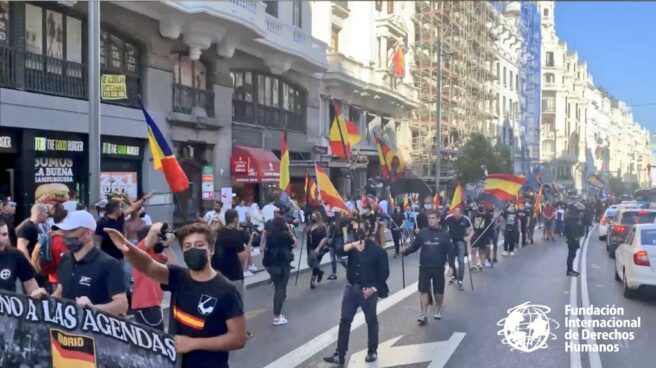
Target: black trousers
396, 235
351, 300
523, 227
509, 241
280, 278
572, 247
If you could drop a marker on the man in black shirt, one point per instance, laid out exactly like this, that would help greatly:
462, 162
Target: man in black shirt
397, 223
367, 273
7, 212
207, 314
482, 224
435, 244
460, 230
87, 275
522, 218
573, 232
511, 230
14, 265
28, 231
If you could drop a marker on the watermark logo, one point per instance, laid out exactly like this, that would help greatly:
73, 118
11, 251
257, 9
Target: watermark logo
527, 327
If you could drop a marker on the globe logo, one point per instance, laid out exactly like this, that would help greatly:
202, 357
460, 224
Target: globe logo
527, 327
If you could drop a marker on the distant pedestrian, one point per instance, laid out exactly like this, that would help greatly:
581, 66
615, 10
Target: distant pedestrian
317, 235
277, 258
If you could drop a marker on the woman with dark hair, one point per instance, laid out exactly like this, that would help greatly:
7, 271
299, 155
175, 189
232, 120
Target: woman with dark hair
317, 235
339, 234
277, 258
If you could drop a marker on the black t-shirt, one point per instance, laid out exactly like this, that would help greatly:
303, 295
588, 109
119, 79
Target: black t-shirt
511, 220
229, 242
457, 227
202, 309
9, 220
28, 230
107, 245
97, 276
277, 250
13, 264
398, 219
480, 222
434, 245
522, 216
314, 237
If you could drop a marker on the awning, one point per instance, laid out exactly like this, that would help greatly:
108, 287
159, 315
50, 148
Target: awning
254, 165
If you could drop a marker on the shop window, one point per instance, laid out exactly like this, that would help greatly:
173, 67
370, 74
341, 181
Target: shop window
190, 86
267, 100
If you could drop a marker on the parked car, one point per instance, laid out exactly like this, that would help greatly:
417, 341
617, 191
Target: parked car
635, 260
622, 224
604, 222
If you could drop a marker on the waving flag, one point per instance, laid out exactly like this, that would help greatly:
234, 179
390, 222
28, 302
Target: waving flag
310, 190
163, 157
283, 182
398, 62
537, 208
353, 132
458, 196
328, 192
392, 165
436, 201
340, 143
503, 186
520, 200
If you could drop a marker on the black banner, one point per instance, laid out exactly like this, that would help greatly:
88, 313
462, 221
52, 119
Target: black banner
55, 333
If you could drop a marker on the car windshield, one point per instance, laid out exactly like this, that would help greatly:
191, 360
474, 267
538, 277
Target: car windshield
631, 218
648, 237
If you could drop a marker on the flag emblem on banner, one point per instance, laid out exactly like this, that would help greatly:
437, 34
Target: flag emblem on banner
72, 351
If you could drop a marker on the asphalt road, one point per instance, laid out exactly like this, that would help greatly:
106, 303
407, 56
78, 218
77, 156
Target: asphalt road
536, 275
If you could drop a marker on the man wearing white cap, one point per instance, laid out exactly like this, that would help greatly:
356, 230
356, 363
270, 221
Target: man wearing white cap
87, 275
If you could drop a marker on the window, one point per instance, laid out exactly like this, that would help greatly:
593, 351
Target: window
511, 80
4, 22
297, 13
550, 58
549, 104
546, 12
498, 66
334, 41
272, 8
190, 73
390, 6
517, 82
505, 111
549, 123
190, 86
504, 77
379, 5
549, 78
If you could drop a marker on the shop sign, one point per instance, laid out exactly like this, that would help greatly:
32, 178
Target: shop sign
7, 142
322, 150
207, 182
120, 149
306, 163
43, 144
119, 182
113, 87
53, 170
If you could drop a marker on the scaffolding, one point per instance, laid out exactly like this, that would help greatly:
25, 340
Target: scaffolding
464, 29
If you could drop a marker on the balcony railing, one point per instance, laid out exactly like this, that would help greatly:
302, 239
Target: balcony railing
267, 116
21, 69
186, 98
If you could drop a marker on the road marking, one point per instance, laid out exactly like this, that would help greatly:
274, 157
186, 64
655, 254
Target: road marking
310, 348
254, 313
595, 360
437, 353
574, 356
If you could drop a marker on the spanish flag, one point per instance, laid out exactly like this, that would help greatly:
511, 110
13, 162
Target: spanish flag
353, 132
406, 202
163, 157
398, 62
537, 208
520, 200
340, 143
436, 201
72, 351
503, 186
458, 196
392, 165
283, 183
310, 190
328, 192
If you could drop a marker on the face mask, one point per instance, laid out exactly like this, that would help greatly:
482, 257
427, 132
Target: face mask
73, 244
195, 258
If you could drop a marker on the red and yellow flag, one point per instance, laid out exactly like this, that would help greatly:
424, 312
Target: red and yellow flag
520, 200
74, 351
163, 157
353, 132
406, 202
436, 201
311, 196
503, 186
340, 143
328, 192
398, 62
392, 165
537, 208
283, 182
458, 197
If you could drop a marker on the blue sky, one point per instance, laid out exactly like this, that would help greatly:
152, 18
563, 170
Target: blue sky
617, 41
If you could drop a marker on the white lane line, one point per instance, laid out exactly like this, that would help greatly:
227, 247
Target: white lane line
310, 348
595, 360
574, 356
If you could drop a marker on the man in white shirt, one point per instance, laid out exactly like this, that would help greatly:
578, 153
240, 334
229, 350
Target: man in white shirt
242, 211
383, 204
268, 211
216, 214
350, 205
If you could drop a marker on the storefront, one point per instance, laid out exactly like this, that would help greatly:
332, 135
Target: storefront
53, 163
121, 166
255, 173
10, 169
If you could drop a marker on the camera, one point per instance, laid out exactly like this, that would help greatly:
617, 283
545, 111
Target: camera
163, 237
248, 229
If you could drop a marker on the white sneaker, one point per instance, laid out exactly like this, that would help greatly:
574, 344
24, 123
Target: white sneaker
512, 253
437, 315
248, 274
280, 321
488, 264
255, 251
252, 268
504, 253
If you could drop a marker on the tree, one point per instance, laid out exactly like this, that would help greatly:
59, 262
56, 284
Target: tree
477, 151
618, 187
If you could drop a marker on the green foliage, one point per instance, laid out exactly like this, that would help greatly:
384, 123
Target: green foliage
618, 187
479, 151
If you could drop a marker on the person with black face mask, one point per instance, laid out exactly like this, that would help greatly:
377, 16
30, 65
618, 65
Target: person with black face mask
86, 274
15, 266
207, 316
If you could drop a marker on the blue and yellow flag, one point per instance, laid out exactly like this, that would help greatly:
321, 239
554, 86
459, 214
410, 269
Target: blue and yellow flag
163, 157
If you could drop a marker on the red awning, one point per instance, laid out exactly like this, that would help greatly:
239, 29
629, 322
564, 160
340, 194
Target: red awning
254, 165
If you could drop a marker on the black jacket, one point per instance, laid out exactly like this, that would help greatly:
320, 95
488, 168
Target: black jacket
573, 229
434, 244
369, 268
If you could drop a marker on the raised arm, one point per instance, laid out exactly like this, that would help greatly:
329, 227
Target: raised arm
139, 259
136, 206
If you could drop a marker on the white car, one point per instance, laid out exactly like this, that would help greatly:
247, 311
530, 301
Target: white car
635, 260
604, 221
